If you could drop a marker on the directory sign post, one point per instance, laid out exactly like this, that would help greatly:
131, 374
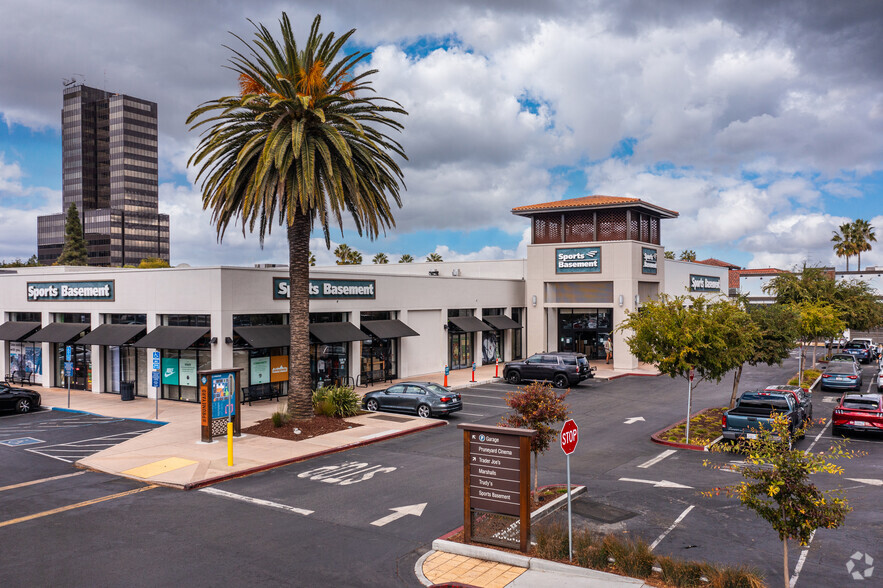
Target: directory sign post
496, 485
219, 400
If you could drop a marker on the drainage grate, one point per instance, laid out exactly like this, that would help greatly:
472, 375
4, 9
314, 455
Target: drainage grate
600, 512
386, 417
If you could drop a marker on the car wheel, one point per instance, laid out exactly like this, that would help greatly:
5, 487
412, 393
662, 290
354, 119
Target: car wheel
372, 405
23, 405
513, 377
560, 381
424, 412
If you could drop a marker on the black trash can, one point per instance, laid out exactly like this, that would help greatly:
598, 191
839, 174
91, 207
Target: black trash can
127, 390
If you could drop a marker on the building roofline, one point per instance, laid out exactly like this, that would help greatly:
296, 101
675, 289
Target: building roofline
590, 203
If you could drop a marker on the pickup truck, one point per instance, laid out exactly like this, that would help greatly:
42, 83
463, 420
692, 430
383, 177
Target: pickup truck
755, 409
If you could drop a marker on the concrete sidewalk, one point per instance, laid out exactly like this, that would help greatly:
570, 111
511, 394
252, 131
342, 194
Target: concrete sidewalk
173, 454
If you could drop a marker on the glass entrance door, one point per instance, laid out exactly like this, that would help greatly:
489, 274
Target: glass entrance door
460, 350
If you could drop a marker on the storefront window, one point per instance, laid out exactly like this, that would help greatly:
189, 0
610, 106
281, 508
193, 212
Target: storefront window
459, 344
517, 334
379, 356
491, 341
328, 364
584, 330
81, 357
178, 369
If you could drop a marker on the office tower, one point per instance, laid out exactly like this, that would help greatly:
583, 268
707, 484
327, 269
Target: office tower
109, 161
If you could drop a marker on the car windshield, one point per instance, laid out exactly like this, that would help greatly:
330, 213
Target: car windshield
436, 389
861, 403
840, 367
855, 346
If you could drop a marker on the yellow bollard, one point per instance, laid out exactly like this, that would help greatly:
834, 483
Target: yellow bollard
229, 443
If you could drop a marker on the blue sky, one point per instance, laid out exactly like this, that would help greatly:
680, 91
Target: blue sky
738, 119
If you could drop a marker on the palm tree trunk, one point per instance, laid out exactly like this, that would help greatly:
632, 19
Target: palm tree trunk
736, 378
300, 401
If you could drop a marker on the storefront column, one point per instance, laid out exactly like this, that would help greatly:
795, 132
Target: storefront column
355, 360
97, 359
147, 374
404, 364
47, 358
222, 352
627, 290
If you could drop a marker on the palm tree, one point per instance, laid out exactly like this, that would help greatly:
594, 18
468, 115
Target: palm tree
434, 257
406, 258
844, 242
862, 237
380, 258
343, 253
688, 255
312, 259
354, 258
304, 142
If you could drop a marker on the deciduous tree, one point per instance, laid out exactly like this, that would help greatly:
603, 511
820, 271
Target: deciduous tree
537, 406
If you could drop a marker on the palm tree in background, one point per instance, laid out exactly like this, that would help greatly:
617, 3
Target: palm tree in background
406, 258
434, 257
312, 259
862, 236
844, 243
688, 255
380, 258
303, 143
347, 256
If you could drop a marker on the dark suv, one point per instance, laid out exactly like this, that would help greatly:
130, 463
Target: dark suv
859, 350
562, 368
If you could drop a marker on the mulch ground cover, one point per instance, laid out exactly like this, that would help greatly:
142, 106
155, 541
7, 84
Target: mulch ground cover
704, 428
318, 425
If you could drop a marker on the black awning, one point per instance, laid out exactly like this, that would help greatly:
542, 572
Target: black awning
112, 335
501, 322
469, 324
58, 332
337, 332
265, 336
15, 331
171, 337
389, 329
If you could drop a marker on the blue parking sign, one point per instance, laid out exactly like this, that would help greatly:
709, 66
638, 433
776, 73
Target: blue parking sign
154, 380
67, 353
68, 368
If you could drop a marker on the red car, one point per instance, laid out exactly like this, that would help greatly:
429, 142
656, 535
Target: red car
858, 412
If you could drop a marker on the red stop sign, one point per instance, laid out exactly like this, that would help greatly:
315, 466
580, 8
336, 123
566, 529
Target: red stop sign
569, 436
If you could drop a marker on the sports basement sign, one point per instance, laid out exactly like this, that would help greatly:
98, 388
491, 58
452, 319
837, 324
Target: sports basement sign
578, 260
649, 259
705, 283
344, 289
70, 291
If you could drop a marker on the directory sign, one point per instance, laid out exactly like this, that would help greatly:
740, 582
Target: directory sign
219, 400
496, 480
223, 389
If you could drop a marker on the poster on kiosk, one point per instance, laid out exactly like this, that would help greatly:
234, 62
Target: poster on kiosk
219, 402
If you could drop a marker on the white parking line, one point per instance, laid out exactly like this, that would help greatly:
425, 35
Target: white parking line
658, 458
470, 414
465, 396
670, 529
258, 501
32, 482
487, 405
819, 436
800, 561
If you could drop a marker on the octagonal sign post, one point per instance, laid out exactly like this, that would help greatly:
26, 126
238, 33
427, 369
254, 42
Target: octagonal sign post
569, 439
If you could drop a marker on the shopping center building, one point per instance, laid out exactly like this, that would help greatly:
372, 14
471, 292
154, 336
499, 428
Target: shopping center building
590, 261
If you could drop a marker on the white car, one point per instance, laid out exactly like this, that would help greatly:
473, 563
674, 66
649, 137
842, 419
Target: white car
880, 380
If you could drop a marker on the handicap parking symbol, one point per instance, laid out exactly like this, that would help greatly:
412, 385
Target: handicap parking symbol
20, 441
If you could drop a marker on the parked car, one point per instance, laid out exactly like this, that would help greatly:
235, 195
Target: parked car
562, 368
844, 357
18, 399
858, 412
803, 397
425, 399
858, 349
755, 411
841, 375
871, 346
880, 379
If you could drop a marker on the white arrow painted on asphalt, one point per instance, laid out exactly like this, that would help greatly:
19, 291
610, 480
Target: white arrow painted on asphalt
867, 481
660, 484
631, 420
401, 511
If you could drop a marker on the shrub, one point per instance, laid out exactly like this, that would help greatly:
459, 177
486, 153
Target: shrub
551, 541
683, 574
336, 401
590, 551
733, 577
632, 557
809, 376
279, 419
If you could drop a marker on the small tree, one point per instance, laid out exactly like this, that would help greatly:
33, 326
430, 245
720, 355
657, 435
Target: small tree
434, 257
537, 406
74, 251
406, 258
679, 334
777, 484
777, 332
818, 319
152, 263
669, 254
